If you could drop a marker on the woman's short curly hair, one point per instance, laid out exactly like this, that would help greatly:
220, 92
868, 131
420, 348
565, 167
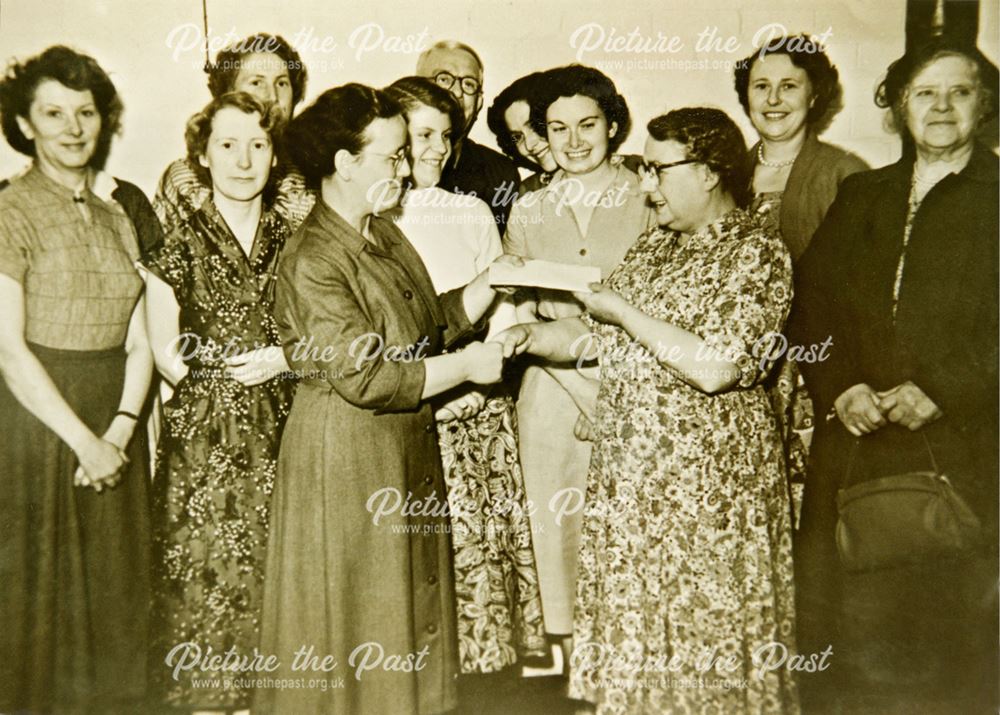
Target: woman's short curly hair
336, 120
199, 127
72, 69
223, 72
893, 92
528, 89
712, 138
808, 55
573, 80
414, 92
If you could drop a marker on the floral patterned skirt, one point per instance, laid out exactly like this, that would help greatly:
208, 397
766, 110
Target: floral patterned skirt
793, 409
216, 465
685, 579
496, 583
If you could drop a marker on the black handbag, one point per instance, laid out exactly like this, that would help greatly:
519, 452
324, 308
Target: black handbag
903, 520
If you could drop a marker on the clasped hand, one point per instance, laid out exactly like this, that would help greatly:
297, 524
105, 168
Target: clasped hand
103, 459
862, 410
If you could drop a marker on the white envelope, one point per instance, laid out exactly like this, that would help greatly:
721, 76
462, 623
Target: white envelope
545, 274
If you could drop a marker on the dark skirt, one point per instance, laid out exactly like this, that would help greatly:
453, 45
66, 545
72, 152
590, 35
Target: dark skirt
74, 564
904, 640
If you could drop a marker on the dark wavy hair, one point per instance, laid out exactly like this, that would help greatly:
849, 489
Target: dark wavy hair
527, 89
574, 79
72, 69
807, 54
893, 92
712, 138
222, 74
199, 127
336, 120
413, 92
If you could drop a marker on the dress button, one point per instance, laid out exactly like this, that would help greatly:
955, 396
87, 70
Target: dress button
429, 428
432, 629
428, 480
408, 294
432, 580
583, 251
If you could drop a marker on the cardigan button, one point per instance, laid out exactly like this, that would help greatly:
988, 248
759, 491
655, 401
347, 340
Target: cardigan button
408, 294
428, 480
432, 580
432, 629
429, 428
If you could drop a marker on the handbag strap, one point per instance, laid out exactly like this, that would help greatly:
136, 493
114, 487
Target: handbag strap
857, 443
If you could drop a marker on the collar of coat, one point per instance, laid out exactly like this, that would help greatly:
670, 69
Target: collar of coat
983, 167
383, 231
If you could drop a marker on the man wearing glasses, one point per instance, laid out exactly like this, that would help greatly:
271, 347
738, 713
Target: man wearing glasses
473, 169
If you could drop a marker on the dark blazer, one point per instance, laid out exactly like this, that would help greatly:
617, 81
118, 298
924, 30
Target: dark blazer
944, 336
487, 174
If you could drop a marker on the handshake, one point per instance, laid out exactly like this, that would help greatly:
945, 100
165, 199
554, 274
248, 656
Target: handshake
485, 360
483, 363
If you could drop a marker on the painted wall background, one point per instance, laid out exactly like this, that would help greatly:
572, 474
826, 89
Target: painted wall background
153, 50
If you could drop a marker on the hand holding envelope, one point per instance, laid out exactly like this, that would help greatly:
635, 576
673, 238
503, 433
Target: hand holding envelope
545, 274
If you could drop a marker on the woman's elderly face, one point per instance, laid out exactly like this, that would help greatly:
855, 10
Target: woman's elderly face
64, 124
779, 97
529, 144
265, 76
943, 105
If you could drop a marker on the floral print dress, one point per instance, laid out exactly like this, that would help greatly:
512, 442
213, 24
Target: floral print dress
496, 585
685, 577
216, 459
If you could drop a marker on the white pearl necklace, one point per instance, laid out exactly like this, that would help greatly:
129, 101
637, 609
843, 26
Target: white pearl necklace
771, 164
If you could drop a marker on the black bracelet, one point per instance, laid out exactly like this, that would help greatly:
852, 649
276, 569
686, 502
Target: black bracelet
130, 415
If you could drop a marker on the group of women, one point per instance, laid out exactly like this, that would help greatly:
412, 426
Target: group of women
332, 354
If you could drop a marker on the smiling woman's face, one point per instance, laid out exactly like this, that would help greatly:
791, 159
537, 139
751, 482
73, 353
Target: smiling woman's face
64, 124
430, 144
942, 104
779, 97
579, 134
529, 144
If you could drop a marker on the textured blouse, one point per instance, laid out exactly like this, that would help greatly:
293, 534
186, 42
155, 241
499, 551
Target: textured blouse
74, 259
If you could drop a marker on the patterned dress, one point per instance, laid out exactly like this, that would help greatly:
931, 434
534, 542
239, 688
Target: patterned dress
685, 563
499, 608
217, 454
792, 406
